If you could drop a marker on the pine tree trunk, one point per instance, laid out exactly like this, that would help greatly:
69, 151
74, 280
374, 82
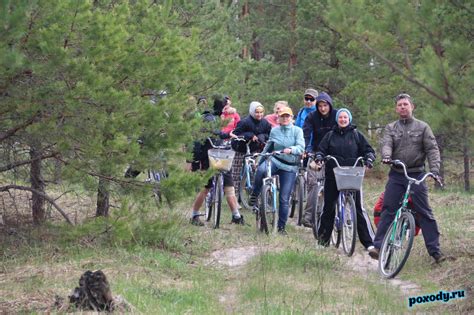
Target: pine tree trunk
37, 182
245, 13
102, 199
293, 58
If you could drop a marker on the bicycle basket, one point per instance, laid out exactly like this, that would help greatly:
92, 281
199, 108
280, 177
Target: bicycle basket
221, 159
349, 178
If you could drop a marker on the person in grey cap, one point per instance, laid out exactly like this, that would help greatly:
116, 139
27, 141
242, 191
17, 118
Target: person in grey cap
309, 106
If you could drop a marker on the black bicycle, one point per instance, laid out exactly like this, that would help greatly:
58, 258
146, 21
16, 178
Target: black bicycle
220, 159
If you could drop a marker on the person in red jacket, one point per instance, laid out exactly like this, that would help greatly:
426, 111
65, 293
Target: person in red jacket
230, 115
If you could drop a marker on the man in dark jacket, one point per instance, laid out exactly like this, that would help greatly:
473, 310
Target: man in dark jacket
411, 141
316, 125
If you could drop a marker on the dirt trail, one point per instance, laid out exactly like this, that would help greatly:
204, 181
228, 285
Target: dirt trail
235, 258
363, 264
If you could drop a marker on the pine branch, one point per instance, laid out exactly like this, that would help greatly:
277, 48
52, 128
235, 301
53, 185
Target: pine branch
9, 133
24, 162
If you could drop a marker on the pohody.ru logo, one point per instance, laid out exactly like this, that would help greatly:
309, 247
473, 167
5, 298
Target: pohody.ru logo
441, 296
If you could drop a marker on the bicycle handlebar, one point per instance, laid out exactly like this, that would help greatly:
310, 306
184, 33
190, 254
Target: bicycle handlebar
411, 179
330, 157
225, 146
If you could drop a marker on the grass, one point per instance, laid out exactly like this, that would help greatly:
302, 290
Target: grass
159, 263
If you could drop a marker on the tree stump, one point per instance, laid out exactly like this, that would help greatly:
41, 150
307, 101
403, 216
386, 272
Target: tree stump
93, 292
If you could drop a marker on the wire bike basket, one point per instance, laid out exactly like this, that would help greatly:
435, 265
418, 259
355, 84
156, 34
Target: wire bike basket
349, 178
220, 159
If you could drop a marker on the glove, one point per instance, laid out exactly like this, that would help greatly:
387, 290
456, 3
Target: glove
319, 158
369, 163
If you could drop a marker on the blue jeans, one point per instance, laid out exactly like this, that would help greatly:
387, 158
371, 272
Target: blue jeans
287, 181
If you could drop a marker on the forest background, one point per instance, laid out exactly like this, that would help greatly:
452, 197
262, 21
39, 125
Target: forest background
79, 79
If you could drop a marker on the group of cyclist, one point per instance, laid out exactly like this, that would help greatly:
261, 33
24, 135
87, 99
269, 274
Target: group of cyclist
323, 130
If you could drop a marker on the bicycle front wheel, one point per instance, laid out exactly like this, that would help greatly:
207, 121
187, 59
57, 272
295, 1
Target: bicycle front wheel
396, 245
268, 215
209, 204
317, 211
300, 196
219, 194
349, 225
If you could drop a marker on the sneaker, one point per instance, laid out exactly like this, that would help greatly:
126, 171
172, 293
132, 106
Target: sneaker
196, 221
439, 257
282, 231
373, 252
238, 220
307, 223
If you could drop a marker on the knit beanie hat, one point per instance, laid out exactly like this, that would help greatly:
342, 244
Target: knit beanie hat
344, 110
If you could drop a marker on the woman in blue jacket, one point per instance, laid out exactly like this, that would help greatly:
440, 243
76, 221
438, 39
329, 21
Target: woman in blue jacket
288, 139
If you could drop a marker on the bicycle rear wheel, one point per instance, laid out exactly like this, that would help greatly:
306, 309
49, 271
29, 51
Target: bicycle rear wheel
317, 211
349, 225
245, 187
396, 245
219, 194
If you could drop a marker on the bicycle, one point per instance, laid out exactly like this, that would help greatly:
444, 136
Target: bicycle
267, 211
348, 181
398, 239
220, 159
317, 211
247, 176
298, 195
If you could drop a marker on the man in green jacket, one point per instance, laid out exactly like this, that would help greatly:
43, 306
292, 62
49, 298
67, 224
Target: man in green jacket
411, 141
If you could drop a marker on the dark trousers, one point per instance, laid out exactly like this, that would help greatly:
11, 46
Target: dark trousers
327, 219
394, 190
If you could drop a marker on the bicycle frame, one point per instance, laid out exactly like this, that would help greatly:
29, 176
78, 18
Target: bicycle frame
404, 207
272, 181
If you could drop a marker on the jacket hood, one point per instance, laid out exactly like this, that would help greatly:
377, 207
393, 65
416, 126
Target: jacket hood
253, 107
324, 97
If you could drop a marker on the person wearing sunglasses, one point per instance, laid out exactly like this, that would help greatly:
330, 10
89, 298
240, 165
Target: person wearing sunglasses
315, 127
309, 106
411, 141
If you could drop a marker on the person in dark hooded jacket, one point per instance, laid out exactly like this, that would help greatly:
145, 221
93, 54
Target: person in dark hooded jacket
346, 144
315, 127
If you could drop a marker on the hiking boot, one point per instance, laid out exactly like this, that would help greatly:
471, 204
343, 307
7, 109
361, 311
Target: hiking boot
307, 222
373, 252
323, 243
196, 221
439, 257
238, 220
282, 231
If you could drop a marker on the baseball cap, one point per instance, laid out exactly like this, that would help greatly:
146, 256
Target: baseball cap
311, 92
285, 111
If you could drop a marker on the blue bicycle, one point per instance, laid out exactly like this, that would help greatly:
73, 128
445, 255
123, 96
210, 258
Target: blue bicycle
348, 181
267, 211
247, 176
